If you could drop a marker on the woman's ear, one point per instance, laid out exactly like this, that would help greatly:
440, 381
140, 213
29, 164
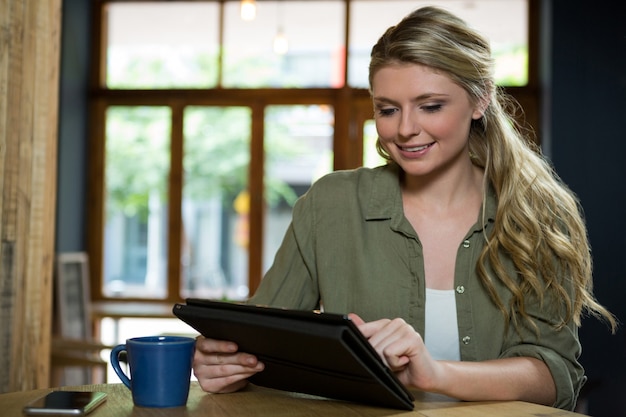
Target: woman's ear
481, 107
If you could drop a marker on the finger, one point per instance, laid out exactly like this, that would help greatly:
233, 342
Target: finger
394, 341
244, 359
224, 378
226, 384
372, 328
397, 363
218, 358
356, 319
207, 345
399, 348
227, 369
385, 332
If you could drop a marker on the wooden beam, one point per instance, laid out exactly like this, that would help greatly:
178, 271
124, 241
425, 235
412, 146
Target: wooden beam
29, 81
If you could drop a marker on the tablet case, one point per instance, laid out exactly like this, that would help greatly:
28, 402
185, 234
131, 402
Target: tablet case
322, 354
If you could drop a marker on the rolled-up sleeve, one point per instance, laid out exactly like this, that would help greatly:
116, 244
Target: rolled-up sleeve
559, 350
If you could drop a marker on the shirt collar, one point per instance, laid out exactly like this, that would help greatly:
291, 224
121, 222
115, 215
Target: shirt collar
386, 199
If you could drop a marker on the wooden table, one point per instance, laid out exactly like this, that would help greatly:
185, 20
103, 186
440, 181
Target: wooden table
257, 401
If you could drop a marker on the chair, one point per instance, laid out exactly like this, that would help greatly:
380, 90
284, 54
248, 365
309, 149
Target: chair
74, 355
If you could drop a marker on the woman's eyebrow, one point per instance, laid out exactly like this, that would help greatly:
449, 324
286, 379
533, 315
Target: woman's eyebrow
383, 100
421, 97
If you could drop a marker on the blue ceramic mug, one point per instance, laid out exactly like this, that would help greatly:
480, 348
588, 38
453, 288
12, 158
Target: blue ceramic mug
160, 369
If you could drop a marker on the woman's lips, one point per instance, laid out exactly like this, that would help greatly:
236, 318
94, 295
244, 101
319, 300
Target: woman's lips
414, 151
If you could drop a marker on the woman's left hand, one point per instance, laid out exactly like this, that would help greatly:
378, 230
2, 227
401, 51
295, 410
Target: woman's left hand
403, 350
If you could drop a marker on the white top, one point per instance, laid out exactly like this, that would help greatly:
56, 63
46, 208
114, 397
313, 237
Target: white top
441, 334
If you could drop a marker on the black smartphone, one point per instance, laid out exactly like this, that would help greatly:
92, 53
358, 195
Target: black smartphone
65, 403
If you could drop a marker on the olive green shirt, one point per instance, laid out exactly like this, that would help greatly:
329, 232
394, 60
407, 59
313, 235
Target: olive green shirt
350, 248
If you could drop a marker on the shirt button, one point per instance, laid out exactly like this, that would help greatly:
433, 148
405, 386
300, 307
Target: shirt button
466, 243
466, 340
460, 289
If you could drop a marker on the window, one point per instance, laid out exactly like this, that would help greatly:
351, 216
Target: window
312, 58
298, 149
136, 172
216, 161
505, 23
161, 44
203, 134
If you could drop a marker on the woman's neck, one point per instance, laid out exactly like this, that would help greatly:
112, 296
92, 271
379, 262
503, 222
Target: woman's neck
444, 191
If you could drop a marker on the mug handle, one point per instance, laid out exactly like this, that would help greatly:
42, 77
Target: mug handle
115, 362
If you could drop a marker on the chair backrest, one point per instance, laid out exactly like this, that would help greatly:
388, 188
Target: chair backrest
72, 298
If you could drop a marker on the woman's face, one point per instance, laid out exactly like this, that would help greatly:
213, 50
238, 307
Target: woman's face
422, 117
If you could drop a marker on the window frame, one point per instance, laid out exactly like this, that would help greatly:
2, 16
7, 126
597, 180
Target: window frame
352, 106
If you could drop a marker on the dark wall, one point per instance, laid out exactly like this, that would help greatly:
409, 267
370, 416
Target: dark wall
584, 68
73, 119
588, 147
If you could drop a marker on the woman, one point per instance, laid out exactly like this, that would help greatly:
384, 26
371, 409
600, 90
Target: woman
465, 259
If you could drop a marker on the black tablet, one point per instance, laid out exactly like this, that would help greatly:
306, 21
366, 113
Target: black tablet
315, 353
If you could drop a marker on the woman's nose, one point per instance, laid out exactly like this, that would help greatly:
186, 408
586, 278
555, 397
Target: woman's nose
409, 125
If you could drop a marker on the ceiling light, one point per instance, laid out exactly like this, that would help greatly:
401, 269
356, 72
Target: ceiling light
248, 9
281, 44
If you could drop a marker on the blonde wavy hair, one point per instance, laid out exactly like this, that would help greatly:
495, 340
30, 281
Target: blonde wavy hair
539, 223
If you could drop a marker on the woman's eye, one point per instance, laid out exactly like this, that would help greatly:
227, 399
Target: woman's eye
431, 108
386, 111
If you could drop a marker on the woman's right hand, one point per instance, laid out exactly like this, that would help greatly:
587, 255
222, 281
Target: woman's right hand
220, 368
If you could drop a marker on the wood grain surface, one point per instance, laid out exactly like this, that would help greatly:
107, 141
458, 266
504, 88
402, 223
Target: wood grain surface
30, 33
260, 402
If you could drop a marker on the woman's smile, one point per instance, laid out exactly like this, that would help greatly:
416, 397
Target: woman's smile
414, 151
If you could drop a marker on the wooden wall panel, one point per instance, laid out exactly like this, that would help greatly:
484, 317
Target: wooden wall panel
29, 82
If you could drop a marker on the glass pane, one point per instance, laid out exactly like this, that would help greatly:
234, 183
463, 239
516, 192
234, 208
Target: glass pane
136, 171
298, 150
314, 32
162, 44
371, 158
215, 210
505, 23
